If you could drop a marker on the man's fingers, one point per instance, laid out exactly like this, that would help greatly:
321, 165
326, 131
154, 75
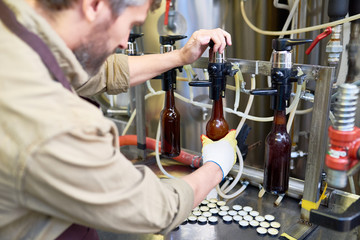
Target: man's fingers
220, 38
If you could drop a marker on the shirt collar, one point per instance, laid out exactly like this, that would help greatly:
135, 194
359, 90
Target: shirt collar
35, 23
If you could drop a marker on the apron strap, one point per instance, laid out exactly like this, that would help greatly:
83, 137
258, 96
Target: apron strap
35, 42
79, 232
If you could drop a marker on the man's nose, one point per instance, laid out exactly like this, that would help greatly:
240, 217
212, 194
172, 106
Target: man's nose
124, 43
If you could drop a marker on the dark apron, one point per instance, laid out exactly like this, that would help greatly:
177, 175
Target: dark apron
74, 232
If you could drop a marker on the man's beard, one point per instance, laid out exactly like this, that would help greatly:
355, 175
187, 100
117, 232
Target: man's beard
93, 54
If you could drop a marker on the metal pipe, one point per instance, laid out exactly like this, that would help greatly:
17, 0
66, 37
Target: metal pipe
140, 120
124, 112
139, 92
256, 176
353, 53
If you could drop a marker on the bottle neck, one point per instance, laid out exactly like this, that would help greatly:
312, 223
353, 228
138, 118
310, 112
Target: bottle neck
169, 99
279, 122
217, 109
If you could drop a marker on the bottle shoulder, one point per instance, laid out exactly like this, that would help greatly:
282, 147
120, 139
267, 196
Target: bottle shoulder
170, 112
278, 139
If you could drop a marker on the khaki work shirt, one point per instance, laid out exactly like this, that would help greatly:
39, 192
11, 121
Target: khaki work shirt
59, 157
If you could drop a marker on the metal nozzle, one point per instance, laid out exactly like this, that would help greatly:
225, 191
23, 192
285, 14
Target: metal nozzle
132, 47
217, 57
336, 178
167, 42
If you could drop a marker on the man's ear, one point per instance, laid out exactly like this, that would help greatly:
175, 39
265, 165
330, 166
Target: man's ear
92, 9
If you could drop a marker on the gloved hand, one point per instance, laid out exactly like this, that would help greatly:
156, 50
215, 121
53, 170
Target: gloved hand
221, 152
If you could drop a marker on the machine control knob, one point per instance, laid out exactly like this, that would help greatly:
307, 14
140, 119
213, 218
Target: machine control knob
285, 44
170, 39
134, 36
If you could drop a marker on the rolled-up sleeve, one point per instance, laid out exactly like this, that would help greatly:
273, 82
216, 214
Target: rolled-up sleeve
113, 78
82, 177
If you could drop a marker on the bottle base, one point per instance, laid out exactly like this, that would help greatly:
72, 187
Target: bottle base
170, 155
275, 191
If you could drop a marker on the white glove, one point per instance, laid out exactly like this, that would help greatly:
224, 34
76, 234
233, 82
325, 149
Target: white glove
221, 152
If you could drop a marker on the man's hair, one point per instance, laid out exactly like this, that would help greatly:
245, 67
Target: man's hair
117, 6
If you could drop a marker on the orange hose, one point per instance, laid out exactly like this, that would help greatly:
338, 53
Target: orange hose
184, 157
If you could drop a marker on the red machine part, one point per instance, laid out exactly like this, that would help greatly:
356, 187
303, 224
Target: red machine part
184, 157
326, 33
166, 19
344, 145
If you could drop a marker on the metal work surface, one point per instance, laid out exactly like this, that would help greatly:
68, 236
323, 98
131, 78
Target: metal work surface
287, 214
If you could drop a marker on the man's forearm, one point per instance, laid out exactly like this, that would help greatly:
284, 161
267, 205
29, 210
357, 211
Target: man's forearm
145, 67
203, 180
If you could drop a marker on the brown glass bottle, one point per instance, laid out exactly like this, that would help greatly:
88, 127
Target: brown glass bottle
277, 156
217, 127
170, 127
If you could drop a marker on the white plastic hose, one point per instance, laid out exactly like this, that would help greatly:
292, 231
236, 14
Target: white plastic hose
236, 180
281, 5
305, 111
128, 124
290, 17
222, 191
238, 80
148, 84
157, 152
225, 184
293, 104
296, 103
301, 30
132, 117
235, 194
230, 87
248, 106
229, 110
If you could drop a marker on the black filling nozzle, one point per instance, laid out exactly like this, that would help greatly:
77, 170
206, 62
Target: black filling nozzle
167, 45
282, 74
132, 48
134, 36
354, 8
218, 69
170, 39
286, 44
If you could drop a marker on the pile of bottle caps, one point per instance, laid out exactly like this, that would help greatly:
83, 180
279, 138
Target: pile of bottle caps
213, 210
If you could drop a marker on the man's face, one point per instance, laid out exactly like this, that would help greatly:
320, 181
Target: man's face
108, 34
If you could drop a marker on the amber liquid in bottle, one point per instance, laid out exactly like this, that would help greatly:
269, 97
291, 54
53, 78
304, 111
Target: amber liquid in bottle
277, 156
170, 127
217, 127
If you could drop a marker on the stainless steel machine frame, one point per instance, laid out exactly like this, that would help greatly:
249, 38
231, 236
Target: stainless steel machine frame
308, 189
